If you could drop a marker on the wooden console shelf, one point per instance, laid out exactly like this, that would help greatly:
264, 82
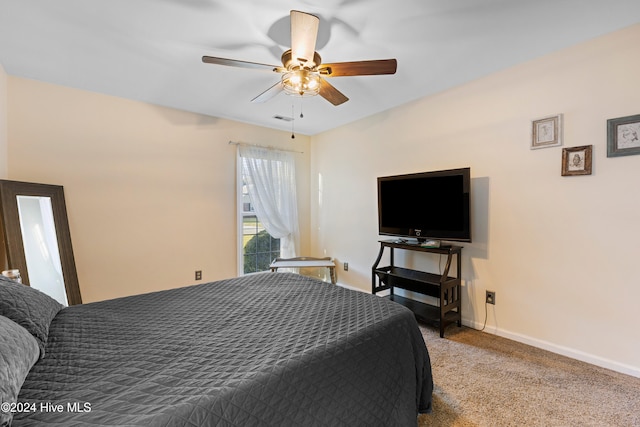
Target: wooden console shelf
447, 290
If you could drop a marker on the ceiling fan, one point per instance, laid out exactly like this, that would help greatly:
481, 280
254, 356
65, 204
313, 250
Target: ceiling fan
303, 73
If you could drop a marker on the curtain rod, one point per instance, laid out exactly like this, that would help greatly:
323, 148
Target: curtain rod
268, 147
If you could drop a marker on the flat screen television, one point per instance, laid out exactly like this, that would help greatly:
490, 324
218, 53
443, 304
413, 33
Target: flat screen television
427, 206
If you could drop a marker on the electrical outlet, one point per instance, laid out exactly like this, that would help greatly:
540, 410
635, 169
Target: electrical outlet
346, 266
490, 297
198, 274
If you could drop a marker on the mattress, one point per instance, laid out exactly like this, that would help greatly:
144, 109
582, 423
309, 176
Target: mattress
271, 349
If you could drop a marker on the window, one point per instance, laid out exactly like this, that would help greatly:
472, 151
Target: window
267, 207
259, 248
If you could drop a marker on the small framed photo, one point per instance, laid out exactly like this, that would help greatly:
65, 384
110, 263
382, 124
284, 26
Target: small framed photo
546, 132
623, 136
576, 160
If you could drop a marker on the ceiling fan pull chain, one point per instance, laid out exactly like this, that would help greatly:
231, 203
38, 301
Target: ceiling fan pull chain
293, 136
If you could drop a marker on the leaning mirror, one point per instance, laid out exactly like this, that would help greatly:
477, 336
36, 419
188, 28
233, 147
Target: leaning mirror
36, 239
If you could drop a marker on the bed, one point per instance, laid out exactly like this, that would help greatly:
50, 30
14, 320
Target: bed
275, 349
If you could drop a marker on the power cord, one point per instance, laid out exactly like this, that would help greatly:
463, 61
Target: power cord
485, 318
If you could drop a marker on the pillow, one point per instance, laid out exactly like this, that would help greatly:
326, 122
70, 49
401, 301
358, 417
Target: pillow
19, 351
29, 308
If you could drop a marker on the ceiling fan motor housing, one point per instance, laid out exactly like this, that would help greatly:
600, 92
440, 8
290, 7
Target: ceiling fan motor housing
291, 63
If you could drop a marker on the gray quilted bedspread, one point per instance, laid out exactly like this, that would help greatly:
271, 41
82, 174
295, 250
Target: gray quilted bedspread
274, 349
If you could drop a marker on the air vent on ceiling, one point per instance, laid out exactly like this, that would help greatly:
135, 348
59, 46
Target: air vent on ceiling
283, 118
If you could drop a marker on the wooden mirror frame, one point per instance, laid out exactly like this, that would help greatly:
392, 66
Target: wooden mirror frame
12, 235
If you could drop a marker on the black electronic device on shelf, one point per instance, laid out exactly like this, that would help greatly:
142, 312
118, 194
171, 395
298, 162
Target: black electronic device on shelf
428, 206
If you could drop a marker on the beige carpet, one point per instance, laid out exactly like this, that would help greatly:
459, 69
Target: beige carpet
485, 380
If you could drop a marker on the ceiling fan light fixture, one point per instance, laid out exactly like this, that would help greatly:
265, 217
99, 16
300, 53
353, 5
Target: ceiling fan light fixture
301, 82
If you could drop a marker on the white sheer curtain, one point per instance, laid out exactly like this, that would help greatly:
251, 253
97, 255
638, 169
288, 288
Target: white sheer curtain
270, 176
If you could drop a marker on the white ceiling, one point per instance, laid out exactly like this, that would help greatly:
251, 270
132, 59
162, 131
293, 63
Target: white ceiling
151, 50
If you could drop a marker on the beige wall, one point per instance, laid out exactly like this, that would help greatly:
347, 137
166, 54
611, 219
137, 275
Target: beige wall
560, 252
151, 191
3, 124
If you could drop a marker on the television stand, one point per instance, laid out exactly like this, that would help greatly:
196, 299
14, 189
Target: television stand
446, 289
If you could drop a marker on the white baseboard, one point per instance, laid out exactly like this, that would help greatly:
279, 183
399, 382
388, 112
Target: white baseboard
634, 371
351, 287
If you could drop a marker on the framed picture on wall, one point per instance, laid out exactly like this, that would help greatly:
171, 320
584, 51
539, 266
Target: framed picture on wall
576, 160
623, 136
546, 132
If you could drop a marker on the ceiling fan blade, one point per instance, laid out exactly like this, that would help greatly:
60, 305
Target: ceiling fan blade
304, 31
269, 93
331, 94
359, 68
236, 63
